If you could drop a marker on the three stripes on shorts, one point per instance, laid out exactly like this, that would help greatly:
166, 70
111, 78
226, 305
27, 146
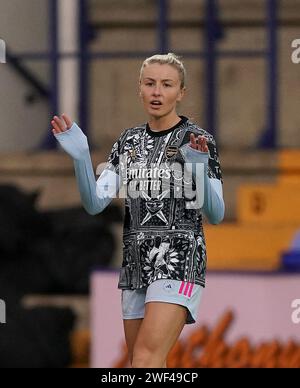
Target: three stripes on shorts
186, 289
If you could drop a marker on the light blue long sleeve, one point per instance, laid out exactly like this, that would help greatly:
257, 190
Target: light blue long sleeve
213, 206
95, 196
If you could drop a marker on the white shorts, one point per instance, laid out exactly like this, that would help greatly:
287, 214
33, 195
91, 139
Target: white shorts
169, 291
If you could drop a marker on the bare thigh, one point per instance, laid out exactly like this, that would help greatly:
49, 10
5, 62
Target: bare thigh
159, 331
131, 329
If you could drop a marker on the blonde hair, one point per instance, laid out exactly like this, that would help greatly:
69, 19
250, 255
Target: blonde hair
167, 59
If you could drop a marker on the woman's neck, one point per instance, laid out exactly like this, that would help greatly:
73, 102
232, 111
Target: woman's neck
163, 123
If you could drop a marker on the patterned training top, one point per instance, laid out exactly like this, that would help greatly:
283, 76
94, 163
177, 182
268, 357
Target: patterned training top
163, 235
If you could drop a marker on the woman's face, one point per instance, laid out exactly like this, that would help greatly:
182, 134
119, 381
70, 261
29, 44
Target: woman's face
160, 89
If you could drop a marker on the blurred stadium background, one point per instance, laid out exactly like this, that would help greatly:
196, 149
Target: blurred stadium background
83, 57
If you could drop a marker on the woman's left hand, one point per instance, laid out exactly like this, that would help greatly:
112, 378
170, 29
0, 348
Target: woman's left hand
198, 143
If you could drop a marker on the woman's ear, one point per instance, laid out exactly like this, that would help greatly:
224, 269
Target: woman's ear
181, 94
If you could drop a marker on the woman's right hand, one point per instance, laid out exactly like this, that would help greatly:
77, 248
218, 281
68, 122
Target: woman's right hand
70, 136
61, 125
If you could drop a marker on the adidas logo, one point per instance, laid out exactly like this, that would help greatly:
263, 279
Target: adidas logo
168, 286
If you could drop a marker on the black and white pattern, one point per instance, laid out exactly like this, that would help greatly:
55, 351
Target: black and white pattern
163, 237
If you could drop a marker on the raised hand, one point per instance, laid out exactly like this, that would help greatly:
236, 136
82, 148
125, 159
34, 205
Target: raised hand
70, 137
61, 124
198, 143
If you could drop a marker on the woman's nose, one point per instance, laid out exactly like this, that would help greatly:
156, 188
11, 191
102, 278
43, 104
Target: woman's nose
156, 91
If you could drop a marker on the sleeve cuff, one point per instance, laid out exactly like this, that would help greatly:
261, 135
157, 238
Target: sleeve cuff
73, 130
193, 156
